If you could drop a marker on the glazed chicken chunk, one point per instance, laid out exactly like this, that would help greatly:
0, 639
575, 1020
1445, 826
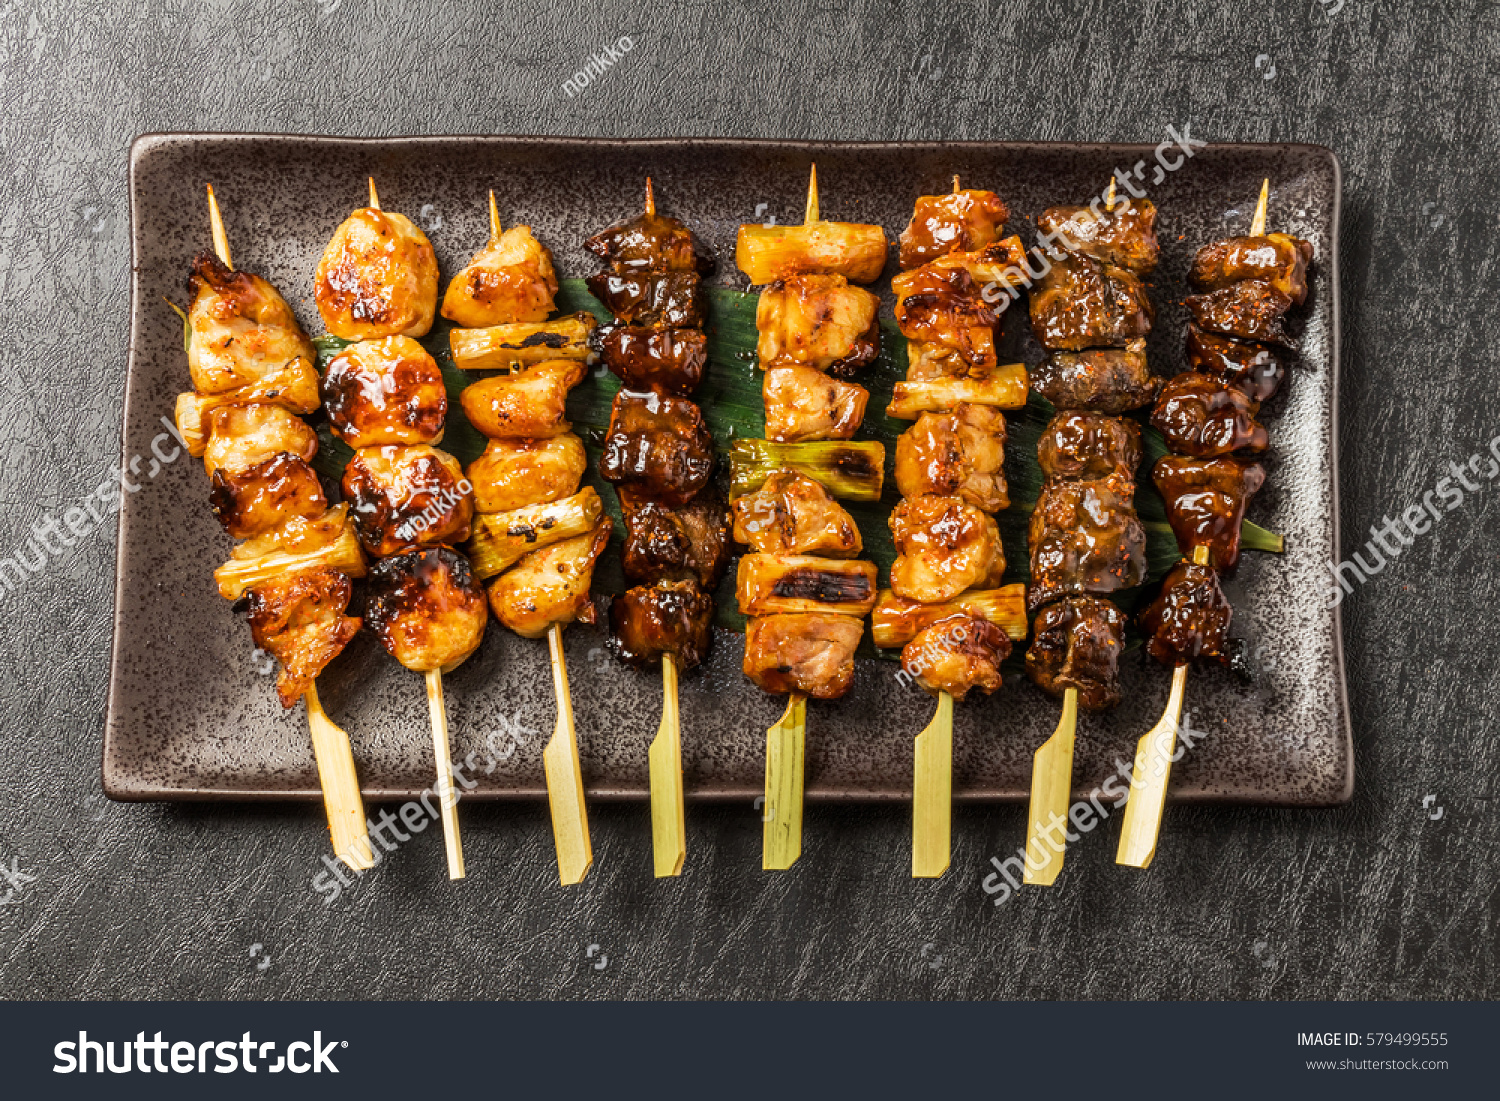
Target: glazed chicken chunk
509, 280
1275, 258
1083, 303
1200, 416
659, 445
792, 514
256, 498
811, 653
528, 404
513, 473
405, 497
957, 454
1105, 380
378, 277
1076, 643
943, 546
1089, 446
964, 221
1124, 236
1206, 500
667, 361
426, 608
669, 617
943, 305
550, 585
818, 321
1189, 619
675, 543
805, 404
246, 341
385, 391
298, 618
1085, 538
239, 436
957, 654
768, 584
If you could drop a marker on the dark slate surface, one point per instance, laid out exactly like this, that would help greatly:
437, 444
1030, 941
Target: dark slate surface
1392, 896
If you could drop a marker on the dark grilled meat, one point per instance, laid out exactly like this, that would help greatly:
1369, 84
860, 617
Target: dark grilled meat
1089, 446
1276, 258
957, 654
651, 242
658, 445
792, 514
1189, 619
1076, 643
406, 497
1250, 310
426, 607
1124, 236
298, 618
386, 391
1083, 303
1085, 538
257, 498
664, 300
958, 454
811, 653
1200, 416
1206, 501
675, 543
667, 361
1106, 380
669, 617
964, 221
1255, 370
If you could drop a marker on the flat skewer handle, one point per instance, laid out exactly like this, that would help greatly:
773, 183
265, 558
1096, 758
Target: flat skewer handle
340, 784
442, 751
1051, 788
668, 816
786, 742
932, 794
570, 820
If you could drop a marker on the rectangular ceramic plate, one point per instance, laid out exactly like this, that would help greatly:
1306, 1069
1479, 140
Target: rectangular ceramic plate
192, 714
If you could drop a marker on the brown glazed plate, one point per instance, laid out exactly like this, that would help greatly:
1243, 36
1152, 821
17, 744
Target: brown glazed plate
192, 714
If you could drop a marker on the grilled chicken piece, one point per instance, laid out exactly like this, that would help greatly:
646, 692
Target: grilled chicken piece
378, 277
809, 653
657, 445
817, 321
509, 280
298, 618
386, 391
964, 221
1189, 619
246, 340
959, 454
792, 514
550, 585
530, 403
1200, 416
1089, 446
896, 621
669, 617
657, 300
943, 547
1250, 310
240, 436
1276, 258
513, 473
675, 543
426, 608
805, 404
1082, 303
1085, 538
768, 253
296, 535
957, 654
1255, 370
667, 361
943, 305
770, 584
650, 243
1105, 380
1206, 500
1076, 643
259, 497
1124, 236
406, 497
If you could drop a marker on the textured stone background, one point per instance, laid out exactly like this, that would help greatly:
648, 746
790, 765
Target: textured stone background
1378, 899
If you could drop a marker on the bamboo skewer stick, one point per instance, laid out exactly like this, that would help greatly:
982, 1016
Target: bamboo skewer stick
932, 794
570, 821
442, 752
374, 196
668, 816
1051, 786
1258, 222
331, 749
494, 218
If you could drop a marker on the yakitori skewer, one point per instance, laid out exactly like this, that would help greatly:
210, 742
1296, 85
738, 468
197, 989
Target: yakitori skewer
537, 534
1091, 314
950, 470
253, 372
376, 286
804, 594
1207, 417
659, 456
